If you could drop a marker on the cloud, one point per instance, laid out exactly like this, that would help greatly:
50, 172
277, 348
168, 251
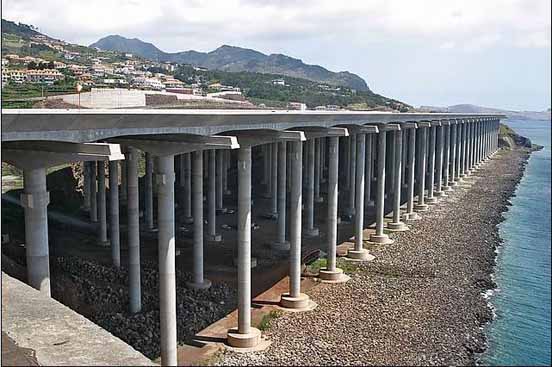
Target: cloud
466, 24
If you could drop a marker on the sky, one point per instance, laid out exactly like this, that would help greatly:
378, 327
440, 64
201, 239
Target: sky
494, 53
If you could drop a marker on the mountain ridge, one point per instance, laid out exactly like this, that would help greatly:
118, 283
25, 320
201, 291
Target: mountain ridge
235, 59
471, 108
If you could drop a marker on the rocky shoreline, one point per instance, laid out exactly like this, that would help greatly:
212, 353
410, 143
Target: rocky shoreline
420, 302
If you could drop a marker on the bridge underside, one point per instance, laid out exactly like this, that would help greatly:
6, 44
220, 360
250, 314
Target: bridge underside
369, 156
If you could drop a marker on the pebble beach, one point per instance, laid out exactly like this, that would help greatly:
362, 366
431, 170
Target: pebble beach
421, 300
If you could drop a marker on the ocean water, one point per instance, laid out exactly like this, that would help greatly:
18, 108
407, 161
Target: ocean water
520, 332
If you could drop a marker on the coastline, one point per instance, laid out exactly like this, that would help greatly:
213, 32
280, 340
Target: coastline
421, 301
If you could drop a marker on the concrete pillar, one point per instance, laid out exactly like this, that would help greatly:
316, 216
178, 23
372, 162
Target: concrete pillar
446, 168
462, 147
93, 193
124, 182
148, 195
331, 273
347, 160
422, 135
35, 200
187, 159
219, 183
368, 173
359, 252
102, 210
226, 166
198, 281
114, 234
467, 155
269, 171
350, 210
404, 159
212, 234
317, 170
86, 186
453, 159
294, 299
458, 151
266, 172
379, 236
133, 225
397, 225
323, 155
274, 181
244, 336
310, 231
410, 213
166, 250
281, 244
440, 151
431, 199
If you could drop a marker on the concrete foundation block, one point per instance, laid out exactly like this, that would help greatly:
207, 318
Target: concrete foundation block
397, 227
362, 255
206, 284
447, 188
432, 200
280, 246
253, 262
187, 220
439, 194
249, 340
411, 216
420, 207
311, 232
336, 276
214, 237
381, 239
104, 243
300, 303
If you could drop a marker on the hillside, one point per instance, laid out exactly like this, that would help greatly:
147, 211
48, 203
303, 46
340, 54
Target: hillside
235, 59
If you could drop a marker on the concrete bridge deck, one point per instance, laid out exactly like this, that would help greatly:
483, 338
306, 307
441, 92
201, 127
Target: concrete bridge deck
88, 125
58, 335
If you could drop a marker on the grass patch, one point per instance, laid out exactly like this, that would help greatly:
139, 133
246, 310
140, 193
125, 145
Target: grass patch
348, 267
267, 319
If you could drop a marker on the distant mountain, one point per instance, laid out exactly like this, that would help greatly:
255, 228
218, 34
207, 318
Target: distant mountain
470, 108
234, 59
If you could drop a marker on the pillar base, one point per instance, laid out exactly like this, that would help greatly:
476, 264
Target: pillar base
431, 200
187, 220
453, 184
335, 276
302, 302
411, 216
421, 207
447, 188
382, 239
311, 232
206, 284
104, 243
319, 199
280, 246
253, 262
397, 227
360, 255
439, 194
221, 211
214, 237
249, 340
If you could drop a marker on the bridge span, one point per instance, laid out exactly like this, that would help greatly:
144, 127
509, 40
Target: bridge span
412, 157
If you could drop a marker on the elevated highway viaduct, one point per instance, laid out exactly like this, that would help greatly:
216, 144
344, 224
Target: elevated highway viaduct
383, 156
